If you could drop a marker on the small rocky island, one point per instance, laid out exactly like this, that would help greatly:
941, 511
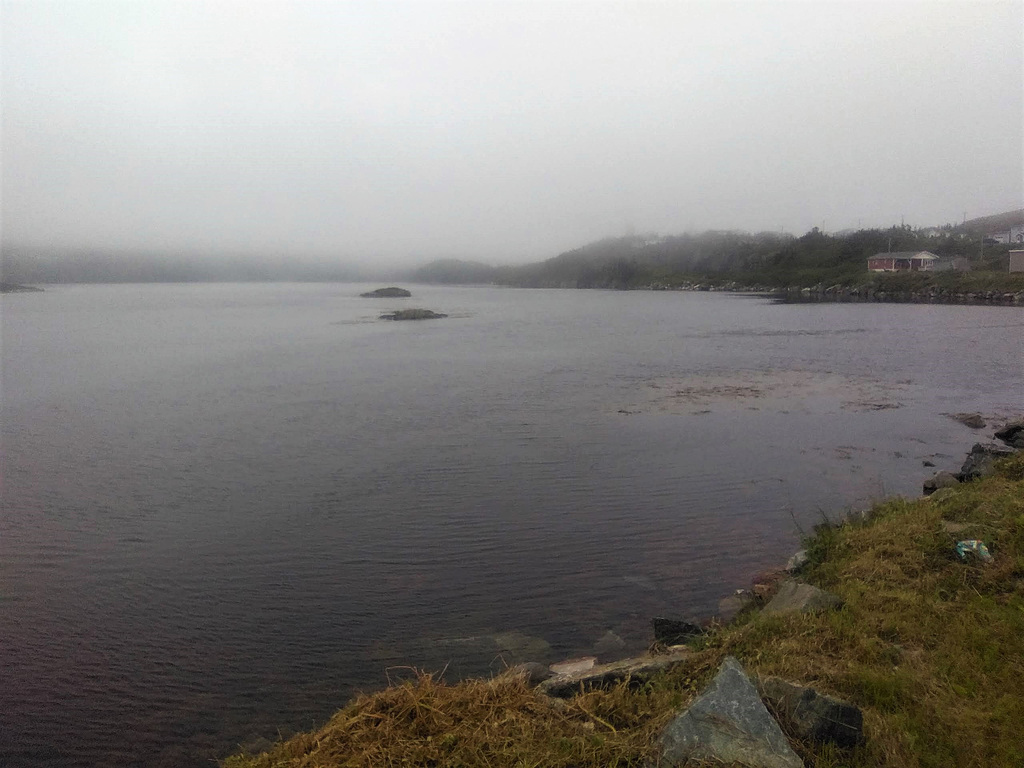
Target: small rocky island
391, 292
18, 288
412, 314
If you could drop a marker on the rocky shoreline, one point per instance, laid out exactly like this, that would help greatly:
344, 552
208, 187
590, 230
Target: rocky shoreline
737, 719
778, 591
802, 668
853, 294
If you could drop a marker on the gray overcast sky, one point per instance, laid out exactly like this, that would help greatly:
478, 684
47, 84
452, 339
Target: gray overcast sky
502, 131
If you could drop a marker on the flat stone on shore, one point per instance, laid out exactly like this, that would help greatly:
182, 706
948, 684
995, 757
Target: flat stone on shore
638, 669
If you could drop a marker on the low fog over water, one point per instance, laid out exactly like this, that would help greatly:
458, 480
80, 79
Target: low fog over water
383, 135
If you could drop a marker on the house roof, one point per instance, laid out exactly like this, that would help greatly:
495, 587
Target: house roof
906, 255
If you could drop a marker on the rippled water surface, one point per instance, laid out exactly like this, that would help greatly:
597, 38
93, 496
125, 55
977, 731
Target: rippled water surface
228, 507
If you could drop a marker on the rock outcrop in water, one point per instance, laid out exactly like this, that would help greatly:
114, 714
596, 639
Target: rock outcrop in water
1012, 434
972, 420
387, 293
18, 288
980, 461
412, 314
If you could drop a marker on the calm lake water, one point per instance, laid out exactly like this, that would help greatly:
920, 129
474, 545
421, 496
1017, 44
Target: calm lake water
226, 508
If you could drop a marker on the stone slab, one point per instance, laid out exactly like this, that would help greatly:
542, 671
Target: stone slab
639, 669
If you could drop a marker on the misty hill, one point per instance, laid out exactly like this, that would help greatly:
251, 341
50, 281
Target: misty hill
622, 262
995, 223
455, 272
766, 258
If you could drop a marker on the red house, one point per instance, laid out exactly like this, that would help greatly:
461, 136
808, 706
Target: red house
903, 261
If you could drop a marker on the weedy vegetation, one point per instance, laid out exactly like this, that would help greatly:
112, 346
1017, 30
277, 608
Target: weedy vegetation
930, 647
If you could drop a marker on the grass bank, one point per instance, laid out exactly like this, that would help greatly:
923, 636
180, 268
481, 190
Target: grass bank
931, 648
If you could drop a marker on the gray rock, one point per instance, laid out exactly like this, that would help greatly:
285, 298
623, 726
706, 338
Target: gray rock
813, 716
796, 597
674, 631
797, 561
972, 420
940, 480
981, 461
412, 314
1012, 434
728, 723
730, 607
534, 672
386, 293
638, 670
574, 666
609, 643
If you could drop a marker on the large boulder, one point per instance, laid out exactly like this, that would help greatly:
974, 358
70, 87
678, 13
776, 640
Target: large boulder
412, 314
811, 715
797, 597
1012, 434
386, 293
940, 480
981, 461
728, 723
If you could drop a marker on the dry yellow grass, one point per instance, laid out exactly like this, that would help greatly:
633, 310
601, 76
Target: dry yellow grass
932, 649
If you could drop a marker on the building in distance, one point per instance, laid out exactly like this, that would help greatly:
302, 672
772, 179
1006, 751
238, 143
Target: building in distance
903, 261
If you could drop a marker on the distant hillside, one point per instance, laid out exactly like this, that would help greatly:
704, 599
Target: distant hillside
625, 262
996, 223
455, 272
766, 258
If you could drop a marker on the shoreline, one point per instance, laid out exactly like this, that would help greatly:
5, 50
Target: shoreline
581, 699
853, 294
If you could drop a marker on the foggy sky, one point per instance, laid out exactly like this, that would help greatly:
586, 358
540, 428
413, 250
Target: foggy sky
506, 132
